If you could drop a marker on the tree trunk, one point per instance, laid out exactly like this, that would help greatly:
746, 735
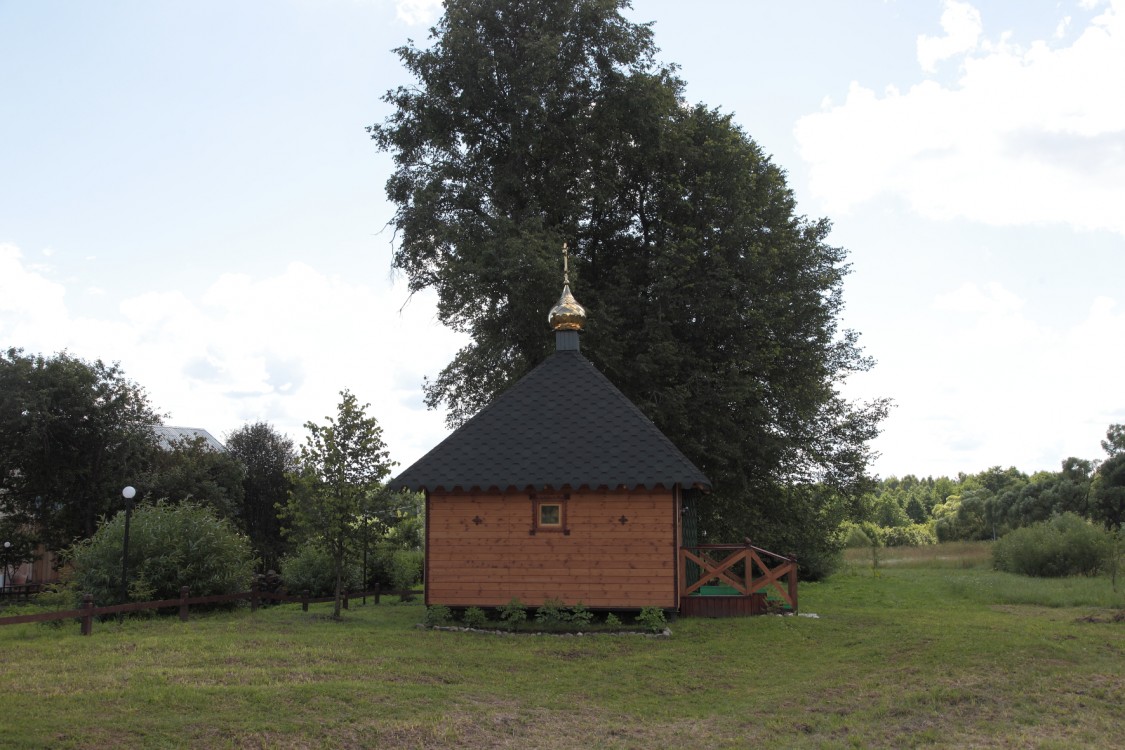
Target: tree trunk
339, 587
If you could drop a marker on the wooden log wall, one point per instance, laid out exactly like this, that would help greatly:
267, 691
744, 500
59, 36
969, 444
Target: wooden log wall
480, 551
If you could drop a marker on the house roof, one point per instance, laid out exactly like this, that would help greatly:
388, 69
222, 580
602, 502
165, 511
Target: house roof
563, 425
169, 435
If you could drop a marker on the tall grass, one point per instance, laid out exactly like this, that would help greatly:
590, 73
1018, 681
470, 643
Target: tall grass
963, 555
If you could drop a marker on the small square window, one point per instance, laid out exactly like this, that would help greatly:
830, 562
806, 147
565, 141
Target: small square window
550, 514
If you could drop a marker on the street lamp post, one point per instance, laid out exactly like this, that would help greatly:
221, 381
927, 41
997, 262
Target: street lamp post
7, 570
128, 493
365, 557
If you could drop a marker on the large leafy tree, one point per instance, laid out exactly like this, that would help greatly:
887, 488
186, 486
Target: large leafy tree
72, 434
341, 464
190, 469
713, 303
1108, 504
269, 457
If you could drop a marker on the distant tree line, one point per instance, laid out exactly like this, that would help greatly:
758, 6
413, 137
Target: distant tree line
996, 501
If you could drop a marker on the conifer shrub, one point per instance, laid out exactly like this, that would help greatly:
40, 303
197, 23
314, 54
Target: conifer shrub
1065, 545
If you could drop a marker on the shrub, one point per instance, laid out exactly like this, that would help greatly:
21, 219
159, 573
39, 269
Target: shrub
394, 567
1065, 545
438, 614
553, 612
475, 618
854, 537
169, 546
612, 620
579, 615
513, 613
406, 568
818, 563
310, 569
652, 618
915, 535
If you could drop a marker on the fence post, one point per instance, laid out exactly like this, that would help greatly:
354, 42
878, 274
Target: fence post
376, 593
793, 583
254, 597
88, 618
345, 600
183, 603
305, 601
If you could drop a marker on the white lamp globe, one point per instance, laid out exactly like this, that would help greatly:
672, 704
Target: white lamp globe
129, 492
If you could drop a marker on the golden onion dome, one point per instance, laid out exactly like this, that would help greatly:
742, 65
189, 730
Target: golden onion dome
567, 314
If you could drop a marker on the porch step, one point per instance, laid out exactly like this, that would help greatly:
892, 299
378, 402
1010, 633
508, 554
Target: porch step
723, 605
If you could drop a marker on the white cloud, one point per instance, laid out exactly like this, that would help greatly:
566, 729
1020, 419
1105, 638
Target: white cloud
417, 12
1000, 386
962, 25
28, 299
1025, 136
993, 300
277, 349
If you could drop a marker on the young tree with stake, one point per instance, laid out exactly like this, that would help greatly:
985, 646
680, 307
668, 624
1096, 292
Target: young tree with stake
339, 464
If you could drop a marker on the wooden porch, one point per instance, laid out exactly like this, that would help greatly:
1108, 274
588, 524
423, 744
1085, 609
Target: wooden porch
735, 580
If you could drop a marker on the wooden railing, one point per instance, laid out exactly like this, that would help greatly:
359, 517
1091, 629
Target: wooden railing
88, 611
743, 567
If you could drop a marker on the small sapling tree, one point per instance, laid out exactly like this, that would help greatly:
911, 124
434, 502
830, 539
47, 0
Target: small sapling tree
340, 463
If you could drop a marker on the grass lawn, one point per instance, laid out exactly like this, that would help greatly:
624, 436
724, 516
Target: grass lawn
938, 653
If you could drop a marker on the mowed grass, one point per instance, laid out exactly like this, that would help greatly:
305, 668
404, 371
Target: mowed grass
914, 657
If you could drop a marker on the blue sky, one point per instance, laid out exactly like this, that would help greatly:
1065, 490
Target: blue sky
187, 188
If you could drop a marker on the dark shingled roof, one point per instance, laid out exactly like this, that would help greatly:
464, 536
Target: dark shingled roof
562, 425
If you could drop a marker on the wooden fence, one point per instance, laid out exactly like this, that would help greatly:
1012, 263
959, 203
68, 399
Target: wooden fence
20, 590
88, 611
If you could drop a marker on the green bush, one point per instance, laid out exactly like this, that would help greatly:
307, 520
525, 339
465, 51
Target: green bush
579, 615
652, 618
513, 613
310, 569
475, 618
553, 612
1065, 545
914, 535
438, 614
855, 537
819, 562
169, 546
612, 620
406, 568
